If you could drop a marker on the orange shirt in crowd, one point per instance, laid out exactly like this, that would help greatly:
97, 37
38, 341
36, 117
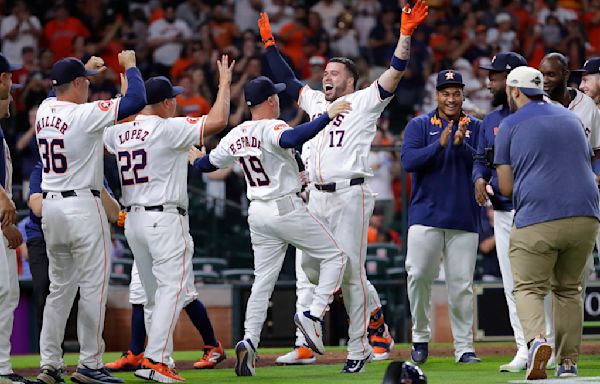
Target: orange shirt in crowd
294, 35
179, 67
223, 33
593, 29
194, 106
59, 36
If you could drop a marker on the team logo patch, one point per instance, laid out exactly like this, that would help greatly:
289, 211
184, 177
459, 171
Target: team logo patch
537, 81
104, 105
280, 126
450, 76
192, 120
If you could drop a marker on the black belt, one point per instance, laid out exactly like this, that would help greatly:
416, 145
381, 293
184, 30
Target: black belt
71, 193
159, 208
331, 187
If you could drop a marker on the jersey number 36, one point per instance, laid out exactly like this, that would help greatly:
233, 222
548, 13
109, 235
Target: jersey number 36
53, 160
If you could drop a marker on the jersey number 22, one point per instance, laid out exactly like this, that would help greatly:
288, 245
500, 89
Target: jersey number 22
135, 159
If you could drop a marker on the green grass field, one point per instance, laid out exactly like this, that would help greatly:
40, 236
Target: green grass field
438, 370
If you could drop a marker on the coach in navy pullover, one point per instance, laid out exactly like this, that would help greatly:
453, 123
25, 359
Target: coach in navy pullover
442, 191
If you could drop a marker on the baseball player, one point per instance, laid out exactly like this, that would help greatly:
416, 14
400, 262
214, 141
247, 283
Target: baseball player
590, 80
277, 215
555, 68
69, 135
338, 166
438, 150
151, 154
11, 239
486, 188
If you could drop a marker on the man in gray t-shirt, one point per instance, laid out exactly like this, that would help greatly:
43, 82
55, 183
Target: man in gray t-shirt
544, 161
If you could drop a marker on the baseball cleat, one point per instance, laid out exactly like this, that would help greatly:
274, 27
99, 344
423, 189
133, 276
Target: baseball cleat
469, 358
51, 375
539, 354
245, 353
517, 364
566, 369
419, 352
128, 362
15, 379
356, 366
298, 356
212, 356
85, 375
159, 372
312, 329
382, 345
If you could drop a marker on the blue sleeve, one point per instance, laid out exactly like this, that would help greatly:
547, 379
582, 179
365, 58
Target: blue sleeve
203, 164
480, 169
110, 192
416, 155
502, 145
283, 73
596, 166
383, 93
302, 133
35, 179
52, 93
135, 97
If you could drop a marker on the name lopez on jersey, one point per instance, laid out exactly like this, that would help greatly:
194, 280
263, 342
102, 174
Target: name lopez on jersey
244, 142
133, 134
51, 122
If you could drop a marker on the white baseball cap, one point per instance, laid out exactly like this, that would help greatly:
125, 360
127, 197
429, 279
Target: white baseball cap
529, 80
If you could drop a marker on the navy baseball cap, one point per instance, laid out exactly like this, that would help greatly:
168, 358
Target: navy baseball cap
258, 90
5, 66
159, 88
505, 61
529, 80
66, 70
591, 66
447, 78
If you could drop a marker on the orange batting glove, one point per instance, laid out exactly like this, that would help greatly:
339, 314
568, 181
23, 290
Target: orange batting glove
121, 219
413, 17
265, 30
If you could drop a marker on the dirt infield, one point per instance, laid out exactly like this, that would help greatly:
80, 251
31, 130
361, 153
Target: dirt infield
266, 360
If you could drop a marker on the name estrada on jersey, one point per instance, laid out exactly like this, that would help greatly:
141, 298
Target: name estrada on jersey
341, 150
151, 154
69, 138
270, 170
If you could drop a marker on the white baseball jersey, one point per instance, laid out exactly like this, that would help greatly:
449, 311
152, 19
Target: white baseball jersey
584, 107
152, 157
8, 169
69, 138
270, 171
341, 150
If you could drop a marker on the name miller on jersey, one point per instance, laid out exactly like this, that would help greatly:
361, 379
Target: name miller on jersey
51, 122
243, 142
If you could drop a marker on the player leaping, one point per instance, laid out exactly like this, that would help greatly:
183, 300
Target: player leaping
337, 168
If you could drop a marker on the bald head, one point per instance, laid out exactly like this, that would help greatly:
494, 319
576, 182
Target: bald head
555, 68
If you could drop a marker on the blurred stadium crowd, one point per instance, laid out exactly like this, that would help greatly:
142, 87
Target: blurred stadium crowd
182, 40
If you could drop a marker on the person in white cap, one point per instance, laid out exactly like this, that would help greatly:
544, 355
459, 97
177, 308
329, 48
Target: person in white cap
541, 152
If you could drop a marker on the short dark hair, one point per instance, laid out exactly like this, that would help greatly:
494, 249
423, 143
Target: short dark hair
560, 58
350, 66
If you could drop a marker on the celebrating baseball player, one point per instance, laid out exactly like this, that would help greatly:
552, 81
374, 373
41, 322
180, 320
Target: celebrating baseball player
590, 79
338, 166
152, 154
11, 239
486, 188
438, 150
69, 135
277, 215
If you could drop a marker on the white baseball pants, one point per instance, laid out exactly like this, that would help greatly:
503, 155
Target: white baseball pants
163, 249
78, 243
427, 247
273, 225
9, 299
503, 222
347, 212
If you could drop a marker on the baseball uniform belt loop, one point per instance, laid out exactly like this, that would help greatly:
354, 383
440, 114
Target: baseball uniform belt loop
157, 208
73, 193
332, 187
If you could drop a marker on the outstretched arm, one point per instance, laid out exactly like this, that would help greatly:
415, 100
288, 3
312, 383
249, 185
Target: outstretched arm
280, 68
411, 19
217, 118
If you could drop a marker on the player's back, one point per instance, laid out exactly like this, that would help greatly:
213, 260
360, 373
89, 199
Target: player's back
151, 154
341, 150
69, 139
270, 171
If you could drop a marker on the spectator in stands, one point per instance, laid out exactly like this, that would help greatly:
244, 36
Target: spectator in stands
573, 43
246, 13
344, 39
329, 10
383, 37
19, 30
35, 91
552, 9
380, 162
193, 12
494, 7
27, 150
280, 12
591, 21
479, 46
365, 18
503, 38
552, 34
318, 38
190, 103
317, 66
377, 233
293, 35
60, 32
200, 83
167, 36
223, 30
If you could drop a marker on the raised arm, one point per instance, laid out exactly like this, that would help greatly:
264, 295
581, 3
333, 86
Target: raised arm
135, 98
411, 19
217, 118
280, 68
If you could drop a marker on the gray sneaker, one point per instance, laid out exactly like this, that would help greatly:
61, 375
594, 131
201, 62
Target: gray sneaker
566, 369
50, 375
